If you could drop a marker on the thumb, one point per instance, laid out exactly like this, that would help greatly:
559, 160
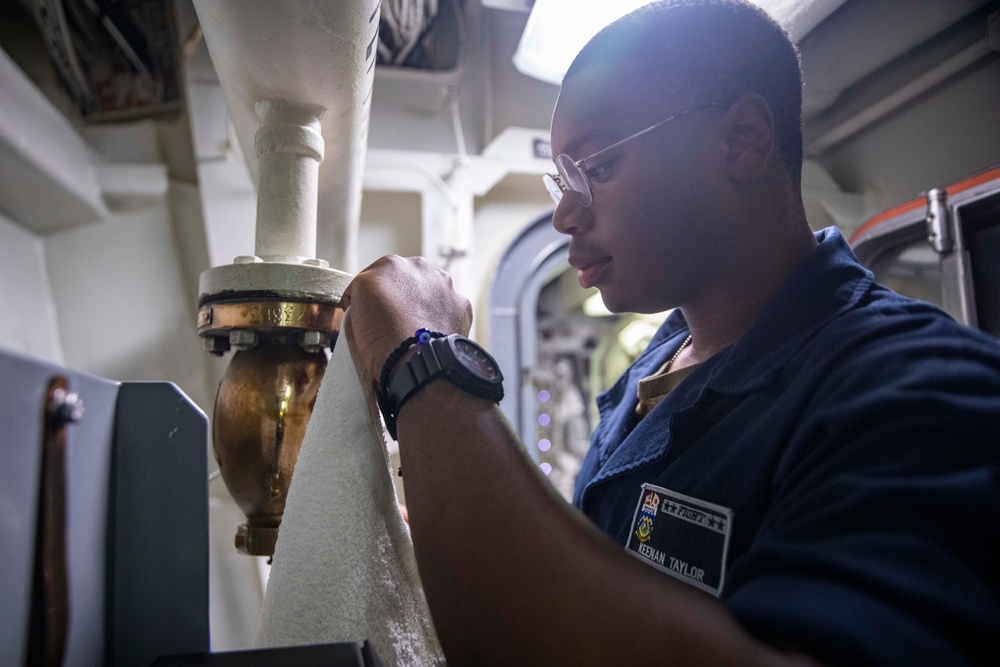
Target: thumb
345, 298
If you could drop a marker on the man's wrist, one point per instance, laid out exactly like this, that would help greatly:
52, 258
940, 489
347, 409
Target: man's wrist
440, 397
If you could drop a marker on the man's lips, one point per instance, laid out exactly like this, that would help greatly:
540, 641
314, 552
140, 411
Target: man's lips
591, 269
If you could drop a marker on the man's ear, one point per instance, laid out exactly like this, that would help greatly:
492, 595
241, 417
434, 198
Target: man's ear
749, 138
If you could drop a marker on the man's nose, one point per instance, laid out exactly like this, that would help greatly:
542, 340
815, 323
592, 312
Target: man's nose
569, 217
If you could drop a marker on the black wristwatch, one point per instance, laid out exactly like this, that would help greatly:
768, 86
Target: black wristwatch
455, 358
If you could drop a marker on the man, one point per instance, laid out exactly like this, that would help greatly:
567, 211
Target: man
803, 466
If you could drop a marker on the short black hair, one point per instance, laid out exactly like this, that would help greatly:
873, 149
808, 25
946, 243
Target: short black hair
712, 51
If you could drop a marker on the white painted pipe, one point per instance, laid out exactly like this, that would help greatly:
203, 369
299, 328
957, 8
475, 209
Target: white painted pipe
289, 148
317, 52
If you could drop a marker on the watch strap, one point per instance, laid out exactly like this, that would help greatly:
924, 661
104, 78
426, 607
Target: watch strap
420, 337
434, 359
422, 367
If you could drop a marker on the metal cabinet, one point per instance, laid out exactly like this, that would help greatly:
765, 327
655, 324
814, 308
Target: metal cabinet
103, 519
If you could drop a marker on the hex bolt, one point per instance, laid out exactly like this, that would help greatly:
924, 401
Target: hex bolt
66, 407
215, 345
242, 339
312, 341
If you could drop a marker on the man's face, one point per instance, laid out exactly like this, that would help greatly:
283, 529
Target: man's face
654, 231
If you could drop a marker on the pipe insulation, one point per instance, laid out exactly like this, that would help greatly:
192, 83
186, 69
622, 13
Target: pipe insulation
289, 148
309, 52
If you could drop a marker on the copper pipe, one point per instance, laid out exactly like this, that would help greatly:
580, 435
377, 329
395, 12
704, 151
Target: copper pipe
49, 616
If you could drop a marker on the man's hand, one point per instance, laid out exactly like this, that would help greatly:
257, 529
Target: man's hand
393, 298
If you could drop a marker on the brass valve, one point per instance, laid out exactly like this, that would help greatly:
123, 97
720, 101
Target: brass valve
264, 401
261, 412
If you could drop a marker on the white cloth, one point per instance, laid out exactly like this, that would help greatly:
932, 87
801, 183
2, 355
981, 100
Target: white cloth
344, 568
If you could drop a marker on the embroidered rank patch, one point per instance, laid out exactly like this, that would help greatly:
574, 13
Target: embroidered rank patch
685, 537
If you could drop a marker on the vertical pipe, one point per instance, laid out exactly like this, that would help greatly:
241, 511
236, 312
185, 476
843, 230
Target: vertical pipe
289, 146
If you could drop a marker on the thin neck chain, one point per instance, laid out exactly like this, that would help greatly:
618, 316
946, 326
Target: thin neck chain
670, 363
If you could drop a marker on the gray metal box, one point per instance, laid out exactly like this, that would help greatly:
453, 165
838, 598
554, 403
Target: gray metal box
136, 516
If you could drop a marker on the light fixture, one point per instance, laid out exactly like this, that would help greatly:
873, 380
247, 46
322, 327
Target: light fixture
558, 29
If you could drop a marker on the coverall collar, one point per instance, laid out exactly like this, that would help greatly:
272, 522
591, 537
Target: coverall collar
829, 282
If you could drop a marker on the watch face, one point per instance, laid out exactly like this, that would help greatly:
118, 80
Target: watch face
477, 361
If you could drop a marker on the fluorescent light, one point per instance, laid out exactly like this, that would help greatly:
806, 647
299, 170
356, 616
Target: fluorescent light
558, 29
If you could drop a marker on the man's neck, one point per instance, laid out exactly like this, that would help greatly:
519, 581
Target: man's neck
728, 307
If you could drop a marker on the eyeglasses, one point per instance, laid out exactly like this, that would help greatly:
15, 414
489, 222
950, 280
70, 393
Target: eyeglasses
572, 176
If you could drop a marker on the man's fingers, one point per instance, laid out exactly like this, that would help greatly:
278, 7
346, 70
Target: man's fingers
345, 299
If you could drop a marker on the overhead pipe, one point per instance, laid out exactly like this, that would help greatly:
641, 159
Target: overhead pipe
317, 52
290, 149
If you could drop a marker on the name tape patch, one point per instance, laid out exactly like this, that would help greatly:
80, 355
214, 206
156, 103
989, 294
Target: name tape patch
685, 537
